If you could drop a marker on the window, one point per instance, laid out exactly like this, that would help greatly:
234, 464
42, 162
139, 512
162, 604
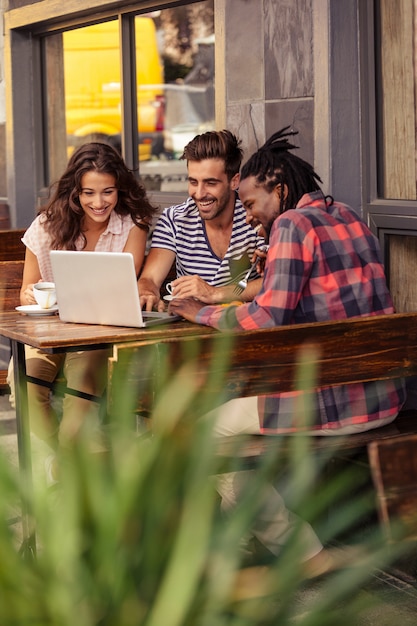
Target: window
144, 83
392, 193
397, 111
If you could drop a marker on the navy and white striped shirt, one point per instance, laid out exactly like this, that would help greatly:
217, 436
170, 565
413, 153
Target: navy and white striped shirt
181, 229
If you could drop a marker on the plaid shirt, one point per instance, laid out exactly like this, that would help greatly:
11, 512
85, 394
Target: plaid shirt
323, 264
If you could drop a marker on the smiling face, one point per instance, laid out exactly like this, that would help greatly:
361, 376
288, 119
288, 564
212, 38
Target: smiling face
262, 207
210, 189
98, 197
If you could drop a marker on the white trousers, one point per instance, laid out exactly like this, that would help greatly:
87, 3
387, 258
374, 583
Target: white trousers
274, 523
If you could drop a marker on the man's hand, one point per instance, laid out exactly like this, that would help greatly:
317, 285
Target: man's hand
157, 266
149, 296
260, 255
194, 287
187, 308
150, 302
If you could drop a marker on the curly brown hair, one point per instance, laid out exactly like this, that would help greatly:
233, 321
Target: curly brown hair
63, 212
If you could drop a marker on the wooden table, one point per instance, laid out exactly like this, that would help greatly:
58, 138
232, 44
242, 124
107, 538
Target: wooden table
51, 335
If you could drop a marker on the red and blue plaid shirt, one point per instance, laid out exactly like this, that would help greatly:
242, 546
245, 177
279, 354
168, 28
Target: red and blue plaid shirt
323, 264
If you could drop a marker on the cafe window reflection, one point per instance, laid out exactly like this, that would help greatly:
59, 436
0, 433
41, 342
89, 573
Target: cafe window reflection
92, 84
174, 86
185, 38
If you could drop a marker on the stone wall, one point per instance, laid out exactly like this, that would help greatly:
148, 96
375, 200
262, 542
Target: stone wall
285, 63
269, 61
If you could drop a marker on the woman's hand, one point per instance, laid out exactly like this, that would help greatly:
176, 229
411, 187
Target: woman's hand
31, 275
27, 297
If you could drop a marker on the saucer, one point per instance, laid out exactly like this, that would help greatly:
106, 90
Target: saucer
168, 298
36, 310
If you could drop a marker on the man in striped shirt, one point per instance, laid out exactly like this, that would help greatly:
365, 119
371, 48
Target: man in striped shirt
323, 264
207, 236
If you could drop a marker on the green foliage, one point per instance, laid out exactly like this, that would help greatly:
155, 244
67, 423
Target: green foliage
135, 536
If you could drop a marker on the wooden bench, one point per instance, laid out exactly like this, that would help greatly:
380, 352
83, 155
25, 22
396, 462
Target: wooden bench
393, 462
12, 254
227, 365
11, 246
267, 361
394, 471
11, 273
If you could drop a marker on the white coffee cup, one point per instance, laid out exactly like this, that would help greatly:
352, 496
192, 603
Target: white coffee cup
169, 289
45, 294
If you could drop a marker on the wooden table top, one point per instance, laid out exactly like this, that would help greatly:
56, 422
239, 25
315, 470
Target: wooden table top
48, 333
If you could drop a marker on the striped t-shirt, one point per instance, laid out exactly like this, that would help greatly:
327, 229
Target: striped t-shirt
181, 230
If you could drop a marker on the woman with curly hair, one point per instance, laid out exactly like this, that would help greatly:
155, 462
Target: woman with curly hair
98, 205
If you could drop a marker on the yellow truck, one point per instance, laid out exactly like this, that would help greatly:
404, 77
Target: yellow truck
92, 85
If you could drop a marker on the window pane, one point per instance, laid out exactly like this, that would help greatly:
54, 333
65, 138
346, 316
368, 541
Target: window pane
174, 87
92, 84
185, 38
397, 175
402, 262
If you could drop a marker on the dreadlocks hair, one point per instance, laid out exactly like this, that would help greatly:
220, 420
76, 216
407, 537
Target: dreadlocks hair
274, 165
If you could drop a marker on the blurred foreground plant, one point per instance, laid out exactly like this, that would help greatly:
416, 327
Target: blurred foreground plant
134, 537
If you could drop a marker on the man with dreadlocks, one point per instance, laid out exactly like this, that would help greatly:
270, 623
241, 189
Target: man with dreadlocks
323, 264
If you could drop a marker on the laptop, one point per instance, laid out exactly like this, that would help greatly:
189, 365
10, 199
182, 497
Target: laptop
100, 288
